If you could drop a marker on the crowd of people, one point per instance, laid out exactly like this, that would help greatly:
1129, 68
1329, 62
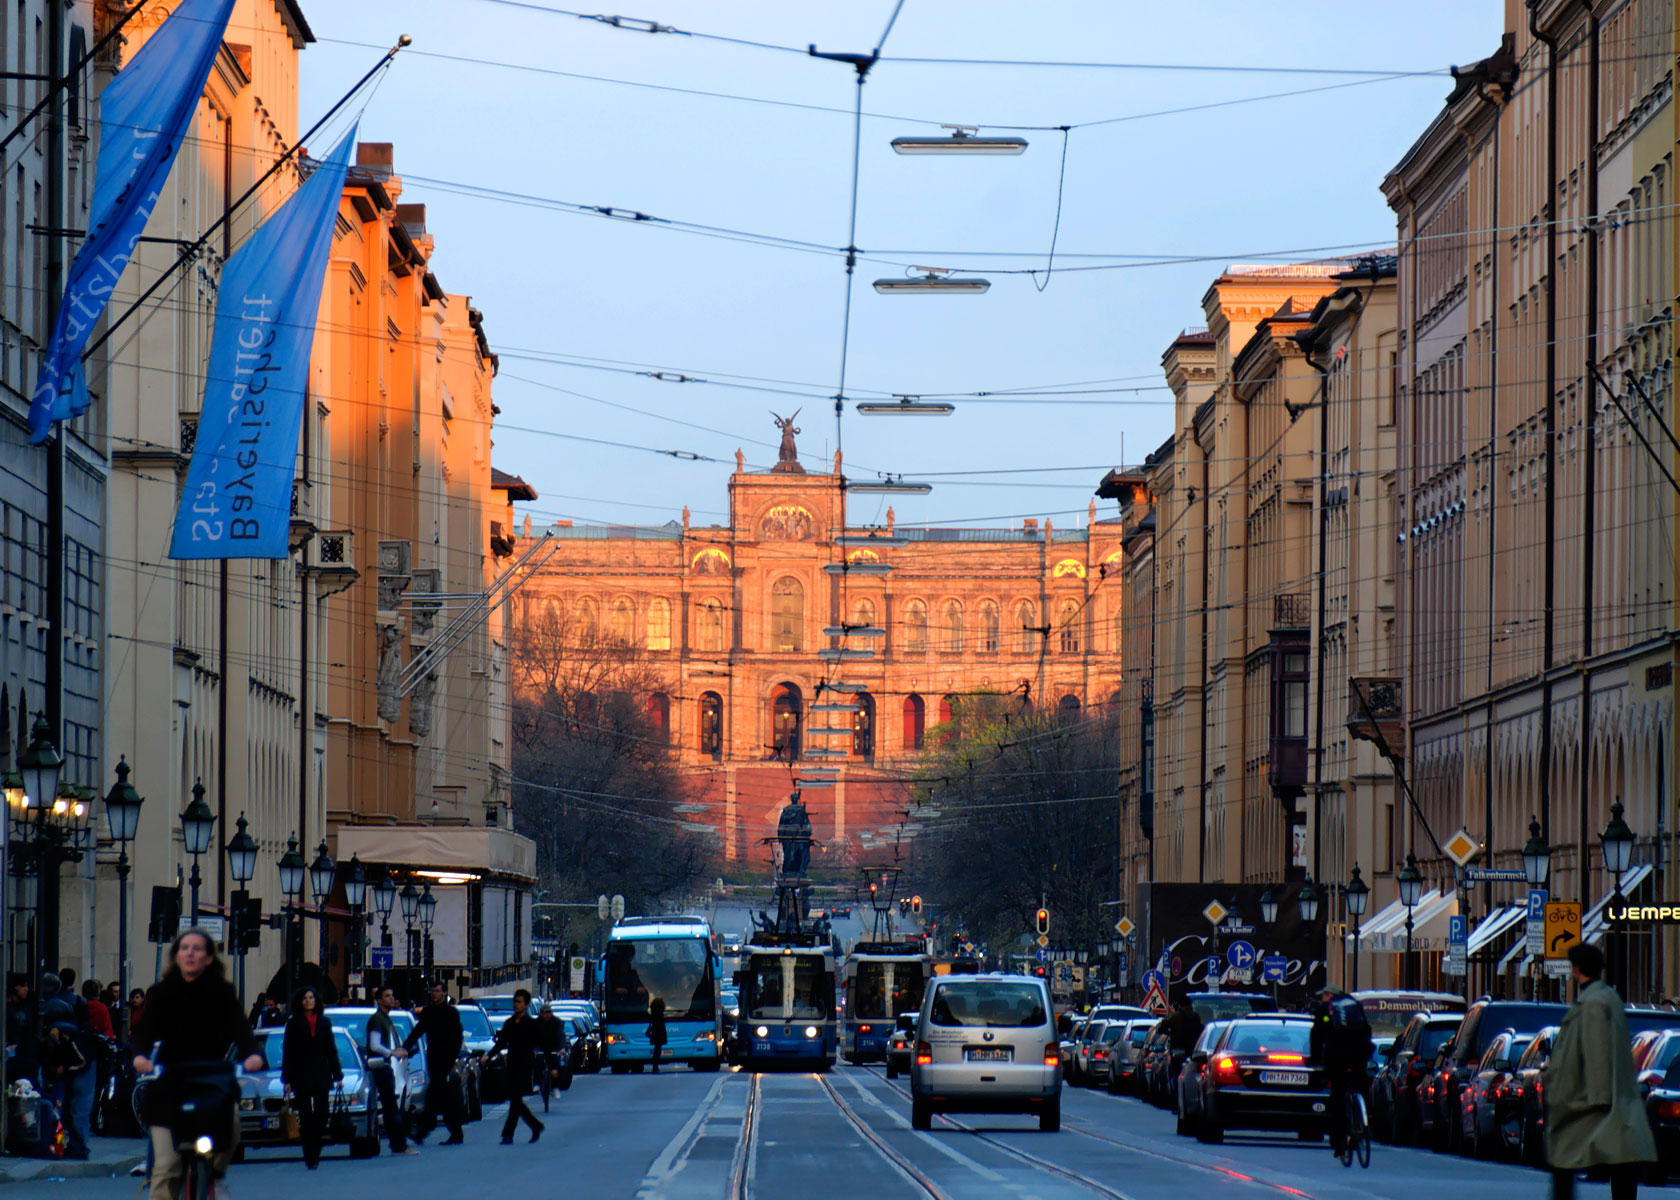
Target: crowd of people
62, 1047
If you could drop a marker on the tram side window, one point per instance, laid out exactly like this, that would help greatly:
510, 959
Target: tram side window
870, 990
907, 989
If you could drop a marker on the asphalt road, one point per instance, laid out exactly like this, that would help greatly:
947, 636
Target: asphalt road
684, 1136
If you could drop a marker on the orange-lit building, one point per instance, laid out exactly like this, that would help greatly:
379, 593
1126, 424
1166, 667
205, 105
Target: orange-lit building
732, 618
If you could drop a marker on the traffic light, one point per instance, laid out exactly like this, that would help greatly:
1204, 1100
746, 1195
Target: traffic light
1039, 971
916, 903
1043, 922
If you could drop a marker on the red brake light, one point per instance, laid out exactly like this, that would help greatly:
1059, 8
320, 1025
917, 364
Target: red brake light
1286, 1058
1099, 1054
1669, 1110
924, 1054
1052, 1054
1225, 1070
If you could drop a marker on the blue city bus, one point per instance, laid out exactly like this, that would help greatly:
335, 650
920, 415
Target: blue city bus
673, 959
879, 980
787, 1003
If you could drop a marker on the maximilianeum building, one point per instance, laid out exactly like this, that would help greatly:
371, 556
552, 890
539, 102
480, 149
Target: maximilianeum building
730, 620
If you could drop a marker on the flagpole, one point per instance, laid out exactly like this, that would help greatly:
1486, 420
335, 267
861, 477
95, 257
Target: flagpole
188, 253
64, 80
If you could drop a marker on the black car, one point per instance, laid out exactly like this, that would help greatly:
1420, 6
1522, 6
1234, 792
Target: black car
1155, 1063
1258, 1076
1187, 1088
1485, 1020
1659, 1084
1491, 1109
1394, 1091
1531, 1150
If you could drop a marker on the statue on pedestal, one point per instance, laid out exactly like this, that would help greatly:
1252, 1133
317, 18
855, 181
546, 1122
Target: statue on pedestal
793, 830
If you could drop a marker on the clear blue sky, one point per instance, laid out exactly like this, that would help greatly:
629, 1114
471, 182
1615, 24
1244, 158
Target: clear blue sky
1231, 183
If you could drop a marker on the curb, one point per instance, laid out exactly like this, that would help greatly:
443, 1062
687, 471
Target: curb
30, 1170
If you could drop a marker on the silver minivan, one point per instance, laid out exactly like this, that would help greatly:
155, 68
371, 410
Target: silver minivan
986, 1043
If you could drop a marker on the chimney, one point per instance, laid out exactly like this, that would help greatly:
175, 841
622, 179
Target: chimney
1029, 523
412, 217
376, 159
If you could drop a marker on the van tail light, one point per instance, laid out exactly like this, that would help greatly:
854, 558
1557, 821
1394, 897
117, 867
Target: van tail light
1225, 1070
924, 1054
1669, 1110
1052, 1054
1286, 1058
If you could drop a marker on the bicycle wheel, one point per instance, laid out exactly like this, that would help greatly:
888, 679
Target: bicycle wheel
198, 1179
1361, 1144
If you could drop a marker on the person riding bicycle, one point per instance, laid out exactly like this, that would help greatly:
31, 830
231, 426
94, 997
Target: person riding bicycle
1341, 1043
192, 1015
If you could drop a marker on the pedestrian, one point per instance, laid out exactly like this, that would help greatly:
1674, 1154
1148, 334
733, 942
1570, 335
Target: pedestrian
556, 1052
521, 1039
22, 1048
191, 1015
136, 1013
99, 1016
656, 1029
383, 1053
55, 1006
257, 1009
70, 1078
269, 1015
310, 1069
1594, 1117
440, 1025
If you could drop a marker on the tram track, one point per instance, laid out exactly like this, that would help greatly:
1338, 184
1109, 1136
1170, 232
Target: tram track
742, 1164
899, 1161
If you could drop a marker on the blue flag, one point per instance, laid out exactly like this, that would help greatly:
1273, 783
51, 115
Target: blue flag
143, 116
237, 502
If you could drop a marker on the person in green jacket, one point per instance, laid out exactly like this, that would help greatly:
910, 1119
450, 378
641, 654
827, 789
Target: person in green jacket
1594, 1117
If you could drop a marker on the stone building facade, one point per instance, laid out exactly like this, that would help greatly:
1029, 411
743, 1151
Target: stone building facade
732, 618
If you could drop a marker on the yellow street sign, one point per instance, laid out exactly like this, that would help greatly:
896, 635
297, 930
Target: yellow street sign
1215, 912
1460, 846
1124, 927
1563, 927
1043, 940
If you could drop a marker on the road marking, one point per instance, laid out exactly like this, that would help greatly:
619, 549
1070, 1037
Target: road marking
951, 1152
674, 1156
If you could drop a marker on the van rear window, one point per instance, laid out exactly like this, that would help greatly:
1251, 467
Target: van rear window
987, 1004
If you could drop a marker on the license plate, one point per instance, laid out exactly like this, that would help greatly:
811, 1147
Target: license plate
988, 1054
271, 1122
1284, 1078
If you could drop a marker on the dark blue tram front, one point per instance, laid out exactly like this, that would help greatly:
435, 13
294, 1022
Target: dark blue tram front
787, 1003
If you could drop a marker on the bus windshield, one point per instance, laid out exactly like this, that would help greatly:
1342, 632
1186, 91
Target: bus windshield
677, 970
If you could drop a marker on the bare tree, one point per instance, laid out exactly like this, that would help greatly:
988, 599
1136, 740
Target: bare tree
596, 783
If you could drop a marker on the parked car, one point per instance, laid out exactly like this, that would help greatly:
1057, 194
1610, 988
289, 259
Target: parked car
1224, 1006
1531, 1121
901, 1046
1485, 1020
1187, 1089
1154, 1065
1659, 1081
1394, 1090
408, 1074
1104, 1052
476, 1039
1491, 1112
1126, 1058
1067, 1043
584, 1041
1429, 1121
1259, 1077
585, 1011
354, 1111
1118, 1012
1090, 1037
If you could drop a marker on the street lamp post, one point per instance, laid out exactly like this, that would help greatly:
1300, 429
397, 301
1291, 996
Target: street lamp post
410, 901
355, 895
197, 824
428, 914
292, 872
40, 764
1268, 914
122, 817
321, 875
384, 897
242, 850
1410, 880
1537, 862
1618, 841
1358, 894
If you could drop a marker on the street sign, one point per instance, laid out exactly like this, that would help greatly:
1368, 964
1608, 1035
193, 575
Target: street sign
216, 927
1272, 968
1536, 939
1155, 999
1454, 962
1043, 954
1215, 912
1043, 940
382, 958
1458, 933
1557, 968
1079, 977
1240, 955
1125, 963
1154, 980
1460, 846
1563, 927
577, 966
1124, 927
1495, 875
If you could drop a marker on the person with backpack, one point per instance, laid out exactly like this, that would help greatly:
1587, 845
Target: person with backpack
1341, 1043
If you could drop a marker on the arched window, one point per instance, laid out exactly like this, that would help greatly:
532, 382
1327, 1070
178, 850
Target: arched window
1067, 626
659, 624
915, 627
1068, 706
787, 711
787, 616
953, 627
863, 726
659, 716
988, 627
915, 721
588, 621
623, 628
1026, 628
711, 627
863, 611
947, 708
550, 615
711, 724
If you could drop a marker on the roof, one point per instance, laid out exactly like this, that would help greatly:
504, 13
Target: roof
663, 929
513, 485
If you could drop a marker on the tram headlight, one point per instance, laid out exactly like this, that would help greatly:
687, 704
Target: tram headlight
762, 1031
810, 1031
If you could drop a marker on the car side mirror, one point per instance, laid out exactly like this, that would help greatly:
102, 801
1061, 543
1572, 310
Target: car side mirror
1199, 1057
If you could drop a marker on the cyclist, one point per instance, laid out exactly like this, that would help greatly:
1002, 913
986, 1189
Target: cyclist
191, 1015
1341, 1044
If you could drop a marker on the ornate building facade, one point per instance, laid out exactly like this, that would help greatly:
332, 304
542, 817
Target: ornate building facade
731, 618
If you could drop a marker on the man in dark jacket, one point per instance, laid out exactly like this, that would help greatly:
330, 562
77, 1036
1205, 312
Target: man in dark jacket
383, 1054
1182, 1027
522, 1039
440, 1025
1340, 1042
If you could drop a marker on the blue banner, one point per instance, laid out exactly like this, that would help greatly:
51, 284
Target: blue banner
237, 502
143, 116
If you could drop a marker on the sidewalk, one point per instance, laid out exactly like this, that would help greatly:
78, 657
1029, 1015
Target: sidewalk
109, 1156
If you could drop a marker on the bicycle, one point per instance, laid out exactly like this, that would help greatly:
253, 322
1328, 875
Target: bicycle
1358, 1132
200, 1106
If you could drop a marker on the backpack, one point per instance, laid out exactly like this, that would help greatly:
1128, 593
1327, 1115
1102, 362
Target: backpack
1350, 1032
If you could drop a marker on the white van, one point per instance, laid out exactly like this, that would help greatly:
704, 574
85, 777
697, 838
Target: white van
986, 1043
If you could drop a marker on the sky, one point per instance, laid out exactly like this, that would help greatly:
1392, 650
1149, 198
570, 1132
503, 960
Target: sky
501, 108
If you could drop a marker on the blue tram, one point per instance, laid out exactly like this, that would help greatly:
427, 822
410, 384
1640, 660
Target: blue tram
880, 980
787, 995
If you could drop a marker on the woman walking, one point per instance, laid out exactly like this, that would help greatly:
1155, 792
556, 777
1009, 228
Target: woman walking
309, 1068
656, 1029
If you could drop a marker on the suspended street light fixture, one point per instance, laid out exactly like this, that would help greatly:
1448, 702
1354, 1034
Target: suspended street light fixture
935, 279
872, 537
863, 631
837, 655
906, 406
964, 139
888, 485
858, 568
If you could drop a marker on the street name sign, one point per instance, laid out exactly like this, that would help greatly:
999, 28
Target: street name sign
1495, 875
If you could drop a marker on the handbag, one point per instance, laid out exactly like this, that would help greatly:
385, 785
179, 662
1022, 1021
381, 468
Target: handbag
290, 1127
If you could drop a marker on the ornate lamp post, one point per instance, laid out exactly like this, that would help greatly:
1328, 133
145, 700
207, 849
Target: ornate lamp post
1358, 894
1410, 880
122, 817
1536, 855
428, 914
384, 899
409, 898
355, 895
1618, 841
1268, 907
242, 852
1309, 902
321, 875
39, 765
292, 872
197, 824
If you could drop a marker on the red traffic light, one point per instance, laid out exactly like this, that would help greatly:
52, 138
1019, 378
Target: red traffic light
916, 903
1039, 971
1043, 918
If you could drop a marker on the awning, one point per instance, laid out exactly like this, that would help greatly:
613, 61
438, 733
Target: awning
1429, 925
1592, 925
476, 850
1520, 950
1391, 918
1494, 924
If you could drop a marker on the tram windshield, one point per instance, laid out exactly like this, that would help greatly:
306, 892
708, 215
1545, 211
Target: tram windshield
876, 996
786, 986
677, 970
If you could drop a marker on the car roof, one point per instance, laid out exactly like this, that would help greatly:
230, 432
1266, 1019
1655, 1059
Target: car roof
1254, 1018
